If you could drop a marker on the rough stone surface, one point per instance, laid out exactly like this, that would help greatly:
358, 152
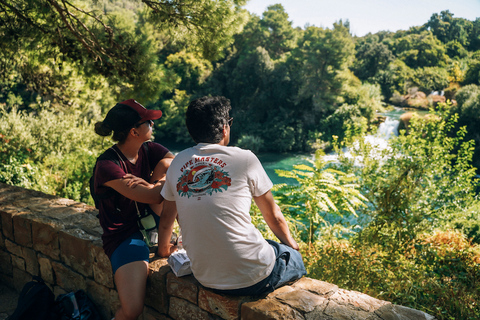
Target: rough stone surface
226, 307
301, 300
59, 240
269, 309
182, 309
183, 287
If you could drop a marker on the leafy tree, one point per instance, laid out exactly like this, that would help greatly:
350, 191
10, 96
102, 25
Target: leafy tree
468, 110
394, 79
279, 36
371, 56
447, 28
474, 39
421, 50
117, 42
321, 57
472, 75
430, 79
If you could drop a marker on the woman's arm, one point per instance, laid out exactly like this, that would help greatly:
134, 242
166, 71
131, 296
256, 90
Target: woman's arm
158, 178
141, 193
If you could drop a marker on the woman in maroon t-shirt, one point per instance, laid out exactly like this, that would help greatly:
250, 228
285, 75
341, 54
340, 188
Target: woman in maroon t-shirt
128, 177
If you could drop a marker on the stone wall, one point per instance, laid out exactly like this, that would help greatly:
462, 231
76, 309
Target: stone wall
59, 240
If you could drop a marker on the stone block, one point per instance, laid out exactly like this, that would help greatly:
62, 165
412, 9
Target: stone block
396, 312
68, 279
268, 309
344, 312
183, 287
114, 301
46, 239
22, 229
18, 263
75, 216
226, 307
46, 270
2, 239
75, 253
156, 296
100, 296
357, 300
280, 290
316, 286
7, 223
5, 263
12, 247
181, 309
102, 268
152, 314
31, 261
7, 280
20, 278
302, 300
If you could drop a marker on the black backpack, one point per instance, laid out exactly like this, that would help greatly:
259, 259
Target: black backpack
75, 306
35, 302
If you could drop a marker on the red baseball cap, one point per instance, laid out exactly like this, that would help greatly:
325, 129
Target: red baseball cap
144, 113
126, 114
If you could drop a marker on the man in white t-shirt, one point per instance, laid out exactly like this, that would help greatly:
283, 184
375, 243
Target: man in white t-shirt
210, 186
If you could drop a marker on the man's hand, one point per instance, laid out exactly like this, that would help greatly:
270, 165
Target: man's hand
166, 251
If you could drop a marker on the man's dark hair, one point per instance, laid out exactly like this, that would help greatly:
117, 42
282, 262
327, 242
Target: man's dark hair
206, 117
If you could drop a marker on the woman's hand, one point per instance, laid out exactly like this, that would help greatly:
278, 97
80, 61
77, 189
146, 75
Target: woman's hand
133, 181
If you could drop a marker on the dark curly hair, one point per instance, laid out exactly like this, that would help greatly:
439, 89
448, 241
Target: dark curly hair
206, 117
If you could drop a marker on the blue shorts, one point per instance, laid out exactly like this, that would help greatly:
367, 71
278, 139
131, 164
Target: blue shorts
131, 250
288, 267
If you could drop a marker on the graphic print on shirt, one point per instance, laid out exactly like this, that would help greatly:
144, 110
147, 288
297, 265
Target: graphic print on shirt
203, 179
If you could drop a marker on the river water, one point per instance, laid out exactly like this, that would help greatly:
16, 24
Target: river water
274, 161
271, 162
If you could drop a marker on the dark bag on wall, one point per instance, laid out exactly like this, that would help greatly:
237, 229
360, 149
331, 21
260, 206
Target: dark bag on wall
35, 302
75, 306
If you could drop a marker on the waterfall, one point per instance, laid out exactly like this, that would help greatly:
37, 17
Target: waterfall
387, 128
379, 141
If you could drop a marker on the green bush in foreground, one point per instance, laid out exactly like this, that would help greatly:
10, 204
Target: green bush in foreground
408, 244
52, 152
438, 273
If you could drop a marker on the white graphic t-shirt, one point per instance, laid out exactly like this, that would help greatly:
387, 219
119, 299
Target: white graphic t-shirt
213, 186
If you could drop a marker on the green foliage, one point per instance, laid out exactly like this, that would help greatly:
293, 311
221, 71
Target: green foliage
252, 143
322, 192
50, 152
430, 79
467, 221
436, 273
371, 57
421, 50
468, 110
412, 181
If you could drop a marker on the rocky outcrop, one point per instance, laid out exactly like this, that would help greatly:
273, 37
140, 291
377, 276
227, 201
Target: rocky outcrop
59, 240
418, 100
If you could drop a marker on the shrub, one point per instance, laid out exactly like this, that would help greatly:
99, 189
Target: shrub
52, 152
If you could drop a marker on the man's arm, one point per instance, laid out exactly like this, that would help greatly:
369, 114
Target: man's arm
274, 218
165, 228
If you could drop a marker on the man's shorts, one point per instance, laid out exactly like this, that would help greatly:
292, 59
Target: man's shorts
131, 250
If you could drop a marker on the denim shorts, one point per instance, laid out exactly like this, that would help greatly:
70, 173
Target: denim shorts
288, 267
131, 250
